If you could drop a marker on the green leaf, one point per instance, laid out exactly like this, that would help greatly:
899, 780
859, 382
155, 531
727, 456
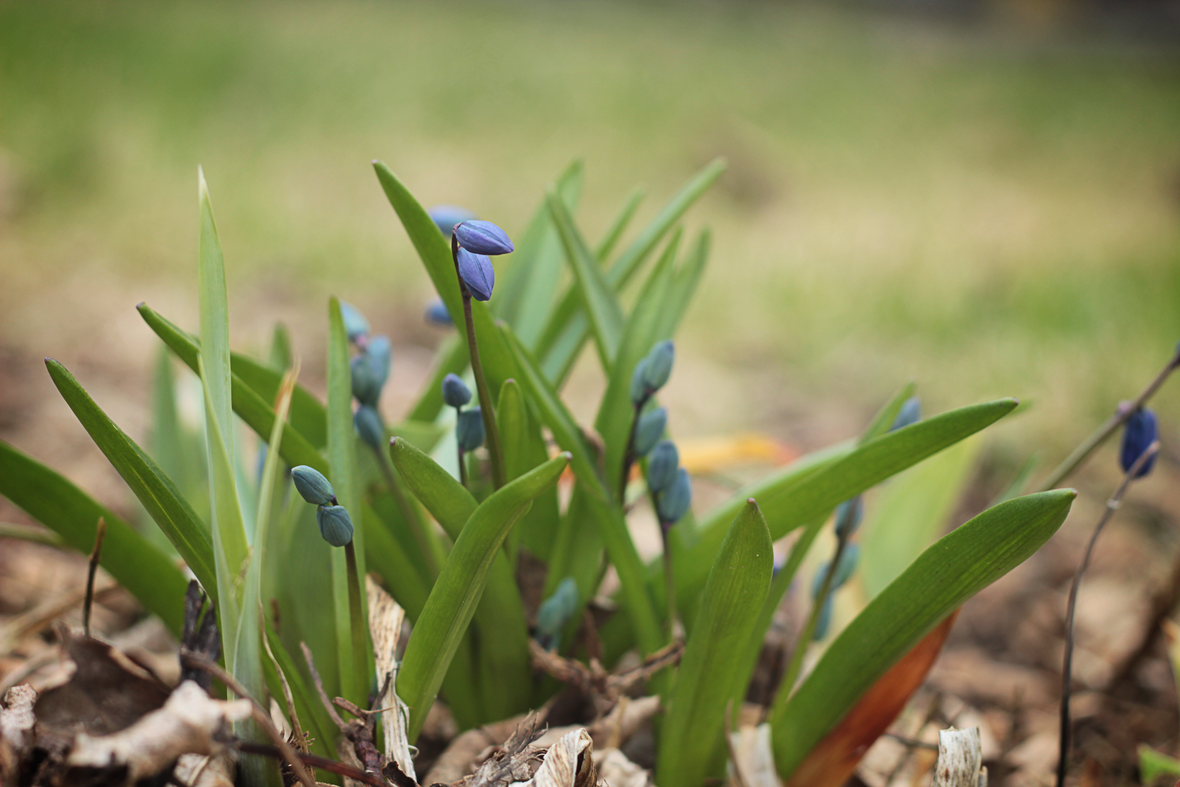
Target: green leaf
909, 514
1154, 764
887, 414
170, 446
618, 225
151, 486
312, 713
214, 318
597, 296
453, 599
389, 559
281, 356
451, 358
435, 253
250, 407
524, 449
948, 573
684, 284
447, 500
49, 498
308, 416
691, 739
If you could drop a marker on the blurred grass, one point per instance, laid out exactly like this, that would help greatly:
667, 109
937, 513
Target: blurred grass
986, 213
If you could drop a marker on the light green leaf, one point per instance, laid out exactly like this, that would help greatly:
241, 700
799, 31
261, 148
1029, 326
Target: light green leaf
308, 416
1154, 764
453, 599
524, 449
214, 318
691, 739
281, 356
151, 486
451, 358
684, 284
618, 225
137, 565
948, 573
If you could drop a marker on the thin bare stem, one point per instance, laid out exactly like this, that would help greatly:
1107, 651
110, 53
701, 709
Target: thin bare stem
487, 408
669, 582
1067, 667
629, 454
1099, 435
462, 467
100, 532
315, 761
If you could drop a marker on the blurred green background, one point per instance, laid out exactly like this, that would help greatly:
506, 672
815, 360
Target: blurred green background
988, 207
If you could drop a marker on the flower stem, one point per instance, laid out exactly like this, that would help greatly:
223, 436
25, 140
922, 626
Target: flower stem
356, 615
629, 454
495, 453
669, 580
462, 467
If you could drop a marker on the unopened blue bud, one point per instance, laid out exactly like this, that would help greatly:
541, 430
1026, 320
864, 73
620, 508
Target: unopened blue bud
639, 382
849, 515
454, 391
445, 217
477, 274
847, 565
369, 427
675, 500
1139, 432
824, 621
662, 462
335, 524
910, 413
379, 351
652, 373
355, 324
312, 486
555, 612
469, 431
366, 382
483, 237
438, 313
649, 430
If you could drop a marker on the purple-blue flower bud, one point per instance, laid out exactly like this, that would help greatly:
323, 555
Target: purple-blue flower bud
335, 524
848, 516
379, 351
662, 462
355, 324
445, 217
366, 382
482, 237
910, 413
454, 391
469, 430
649, 430
438, 313
1139, 432
652, 373
312, 486
477, 274
675, 500
369, 427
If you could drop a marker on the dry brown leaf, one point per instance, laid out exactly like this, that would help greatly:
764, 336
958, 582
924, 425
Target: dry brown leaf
385, 626
754, 756
615, 770
567, 763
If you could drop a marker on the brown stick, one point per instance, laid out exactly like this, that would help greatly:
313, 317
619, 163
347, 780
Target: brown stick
100, 532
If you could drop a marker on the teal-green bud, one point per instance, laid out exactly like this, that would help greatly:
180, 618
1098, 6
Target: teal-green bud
312, 486
910, 413
662, 462
824, 621
673, 502
379, 351
849, 515
652, 373
454, 391
649, 430
639, 383
355, 324
469, 431
335, 524
366, 380
555, 612
369, 427
847, 565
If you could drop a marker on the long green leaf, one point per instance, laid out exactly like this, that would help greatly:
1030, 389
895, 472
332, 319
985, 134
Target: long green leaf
137, 565
151, 486
453, 599
948, 573
308, 416
691, 739
596, 294
524, 449
451, 358
614, 231
684, 284
214, 303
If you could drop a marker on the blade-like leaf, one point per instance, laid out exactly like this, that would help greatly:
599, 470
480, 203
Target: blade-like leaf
214, 318
48, 497
887, 414
596, 294
684, 284
151, 486
524, 449
691, 739
618, 225
451, 358
453, 599
948, 573
308, 416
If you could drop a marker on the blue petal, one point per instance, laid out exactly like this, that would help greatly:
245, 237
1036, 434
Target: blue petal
477, 273
483, 237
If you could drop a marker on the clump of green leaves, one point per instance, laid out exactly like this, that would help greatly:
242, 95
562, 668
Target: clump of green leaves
446, 537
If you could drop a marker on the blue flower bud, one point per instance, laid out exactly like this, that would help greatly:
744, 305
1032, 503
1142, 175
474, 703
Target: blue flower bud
848, 516
824, 621
555, 612
477, 274
454, 391
649, 430
847, 565
366, 385
379, 351
469, 432
355, 324
652, 373
1139, 432
438, 313
312, 486
675, 500
445, 217
335, 524
483, 237
639, 382
662, 462
369, 427
910, 413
